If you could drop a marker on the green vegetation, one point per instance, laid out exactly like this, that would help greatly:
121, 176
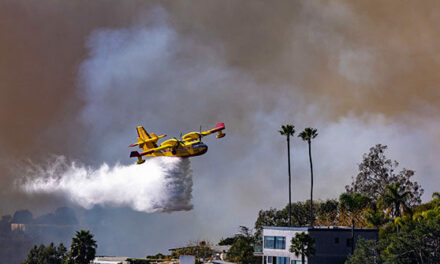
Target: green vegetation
365, 252
302, 245
353, 203
198, 249
83, 248
50, 254
82, 251
417, 241
242, 250
227, 241
307, 135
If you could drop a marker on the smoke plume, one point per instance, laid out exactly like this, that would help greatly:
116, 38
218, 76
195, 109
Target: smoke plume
159, 185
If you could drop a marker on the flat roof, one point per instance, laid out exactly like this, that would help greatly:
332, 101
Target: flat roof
317, 228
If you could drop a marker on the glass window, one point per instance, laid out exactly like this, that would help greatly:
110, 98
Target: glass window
283, 260
269, 242
274, 242
280, 242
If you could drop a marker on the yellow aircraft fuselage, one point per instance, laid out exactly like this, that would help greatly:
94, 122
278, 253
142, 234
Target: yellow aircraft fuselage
186, 149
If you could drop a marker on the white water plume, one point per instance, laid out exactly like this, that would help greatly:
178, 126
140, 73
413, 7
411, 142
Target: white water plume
158, 185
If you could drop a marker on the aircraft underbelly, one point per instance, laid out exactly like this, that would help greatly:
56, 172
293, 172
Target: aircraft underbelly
181, 152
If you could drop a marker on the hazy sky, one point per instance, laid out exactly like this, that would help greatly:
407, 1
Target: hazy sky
77, 77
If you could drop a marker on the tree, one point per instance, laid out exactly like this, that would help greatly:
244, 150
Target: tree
288, 130
436, 198
242, 250
418, 243
48, 255
366, 252
307, 135
274, 217
375, 217
353, 203
377, 171
395, 200
83, 248
326, 214
227, 241
302, 245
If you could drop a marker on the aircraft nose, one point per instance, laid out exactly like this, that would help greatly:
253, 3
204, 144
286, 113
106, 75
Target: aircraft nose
204, 148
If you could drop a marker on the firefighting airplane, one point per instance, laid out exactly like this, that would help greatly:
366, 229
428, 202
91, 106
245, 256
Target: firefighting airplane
190, 145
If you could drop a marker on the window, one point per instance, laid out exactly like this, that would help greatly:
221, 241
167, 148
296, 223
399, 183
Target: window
280, 242
336, 240
283, 260
274, 242
269, 242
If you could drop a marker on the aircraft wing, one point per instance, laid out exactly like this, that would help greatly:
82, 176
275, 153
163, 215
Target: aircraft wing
150, 151
170, 143
198, 135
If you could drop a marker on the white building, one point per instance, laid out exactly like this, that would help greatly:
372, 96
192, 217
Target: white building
332, 244
110, 260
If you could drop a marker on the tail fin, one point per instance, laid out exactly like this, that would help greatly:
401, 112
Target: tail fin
145, 141
218, 128
142, 133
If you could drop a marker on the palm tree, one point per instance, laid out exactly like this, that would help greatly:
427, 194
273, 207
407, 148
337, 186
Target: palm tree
83, 248
288, 130
307, 135
395, 200
353, 203
302, 244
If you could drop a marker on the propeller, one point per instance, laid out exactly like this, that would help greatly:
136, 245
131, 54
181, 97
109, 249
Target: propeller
200, 134
177, 145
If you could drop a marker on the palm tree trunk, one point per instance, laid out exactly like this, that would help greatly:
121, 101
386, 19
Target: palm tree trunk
352, 234
290, 195
303, 259
311, 183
